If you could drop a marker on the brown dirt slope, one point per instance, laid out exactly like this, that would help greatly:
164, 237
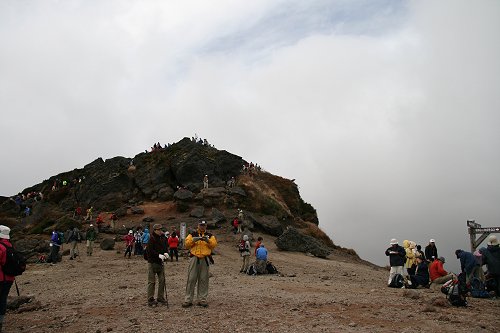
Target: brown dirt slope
107, 293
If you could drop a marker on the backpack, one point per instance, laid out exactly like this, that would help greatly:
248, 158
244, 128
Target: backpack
478, 289
242, 246
271, 269
455, 297
15, 263
60, 238
251, 270
397, 281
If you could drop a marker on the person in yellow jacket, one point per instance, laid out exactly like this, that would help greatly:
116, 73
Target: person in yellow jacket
410, 250
200, 244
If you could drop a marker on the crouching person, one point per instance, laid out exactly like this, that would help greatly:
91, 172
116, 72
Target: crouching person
437, 272
157, 254
261, 262
421, 277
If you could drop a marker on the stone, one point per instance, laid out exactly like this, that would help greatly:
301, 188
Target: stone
197, 212
107, 244
293, 240
137, 210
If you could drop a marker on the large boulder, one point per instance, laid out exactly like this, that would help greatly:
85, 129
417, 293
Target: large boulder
165, 193
107, 244
197, 211
183, 194
218, 216
237, 190
293, 240
137, 210
268, 223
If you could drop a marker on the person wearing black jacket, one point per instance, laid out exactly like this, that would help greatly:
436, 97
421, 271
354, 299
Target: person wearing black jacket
491, 258
156, 253
431, 252
421, 277
397, 257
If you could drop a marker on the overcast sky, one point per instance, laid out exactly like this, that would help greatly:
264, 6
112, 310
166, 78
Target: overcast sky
387, 113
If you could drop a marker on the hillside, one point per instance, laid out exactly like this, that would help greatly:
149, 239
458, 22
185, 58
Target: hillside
107, 293
171, 180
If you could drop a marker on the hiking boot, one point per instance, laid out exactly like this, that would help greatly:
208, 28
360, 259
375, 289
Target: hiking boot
187, 304
203, 304
161, 301
151, 302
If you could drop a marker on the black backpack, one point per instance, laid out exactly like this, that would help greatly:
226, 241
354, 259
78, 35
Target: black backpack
15, 264
397, 281
271, 269
455, 297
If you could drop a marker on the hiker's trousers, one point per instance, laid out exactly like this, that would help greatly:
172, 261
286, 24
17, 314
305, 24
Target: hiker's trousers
90, 245
245, 264
4, 292
197, 275
395, 270
153, 271
73, 250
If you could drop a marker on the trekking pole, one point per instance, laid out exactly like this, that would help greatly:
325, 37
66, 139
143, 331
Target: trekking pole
165, 285
17, 288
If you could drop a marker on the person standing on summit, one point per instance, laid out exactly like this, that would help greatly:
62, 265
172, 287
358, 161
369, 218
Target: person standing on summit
200, 244
397, 259
156, 254
431, 252
205, 181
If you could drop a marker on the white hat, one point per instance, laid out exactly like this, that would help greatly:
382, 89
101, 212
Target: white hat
432, 240
4, 232
394, 241
245, 237
492, 240
91, 225
130, 232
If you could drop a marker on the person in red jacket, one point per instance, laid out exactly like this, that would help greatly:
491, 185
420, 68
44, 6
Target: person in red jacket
5, 280
173, 244
438, 273
129, 243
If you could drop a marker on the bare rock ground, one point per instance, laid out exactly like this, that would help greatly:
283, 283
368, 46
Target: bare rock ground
107, 293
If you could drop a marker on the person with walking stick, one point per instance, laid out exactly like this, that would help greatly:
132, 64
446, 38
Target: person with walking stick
156, 252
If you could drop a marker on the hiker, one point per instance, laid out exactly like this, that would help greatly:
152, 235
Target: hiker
113, 219
129, 243
235, 225
438, 274
421, 276
245, 253
138, 249
468, 264
396, 254
261, 262
173, 244
90, 236
89, 213
410, 264
157, 253
420, 252
6, 281
200, 245
74, 238
145, 239
205, 181
431, 252
491, 258
77, 213
55, 244
257, 245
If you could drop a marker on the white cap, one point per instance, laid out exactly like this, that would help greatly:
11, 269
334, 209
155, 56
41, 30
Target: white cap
4, 232
432, 240
493, 240
130, 232
394, 241
91, 225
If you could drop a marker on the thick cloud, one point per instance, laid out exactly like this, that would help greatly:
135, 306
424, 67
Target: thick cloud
385, 114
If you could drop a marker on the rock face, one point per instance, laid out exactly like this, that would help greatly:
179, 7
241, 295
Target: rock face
269, 224
293, 240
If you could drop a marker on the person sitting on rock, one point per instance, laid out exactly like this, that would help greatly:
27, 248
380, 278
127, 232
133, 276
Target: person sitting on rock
437, 272
261, 262
421, 276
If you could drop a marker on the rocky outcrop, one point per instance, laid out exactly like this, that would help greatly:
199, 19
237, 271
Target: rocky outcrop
293, 240
268, 223
107, 244
197, 211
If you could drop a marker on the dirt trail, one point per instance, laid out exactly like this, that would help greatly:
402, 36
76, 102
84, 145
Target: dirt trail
107, 293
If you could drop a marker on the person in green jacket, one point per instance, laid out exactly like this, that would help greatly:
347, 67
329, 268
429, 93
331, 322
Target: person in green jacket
90, 236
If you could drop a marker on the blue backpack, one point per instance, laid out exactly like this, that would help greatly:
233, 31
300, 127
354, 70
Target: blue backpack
478, 289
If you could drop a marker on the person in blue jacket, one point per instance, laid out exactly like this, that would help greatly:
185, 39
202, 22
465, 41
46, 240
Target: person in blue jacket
468, 264
261, 262
145, 239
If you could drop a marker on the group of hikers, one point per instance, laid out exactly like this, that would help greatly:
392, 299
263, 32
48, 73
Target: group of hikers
416, 268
